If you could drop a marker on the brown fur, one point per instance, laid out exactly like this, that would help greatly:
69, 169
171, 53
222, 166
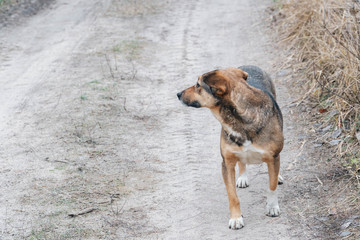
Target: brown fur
247, 112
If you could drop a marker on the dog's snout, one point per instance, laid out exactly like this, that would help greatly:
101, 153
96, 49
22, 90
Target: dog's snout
179, 94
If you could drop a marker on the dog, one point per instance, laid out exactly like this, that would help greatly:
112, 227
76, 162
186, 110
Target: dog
243, 100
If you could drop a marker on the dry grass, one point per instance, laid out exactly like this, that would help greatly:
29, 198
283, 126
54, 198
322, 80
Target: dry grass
324, 38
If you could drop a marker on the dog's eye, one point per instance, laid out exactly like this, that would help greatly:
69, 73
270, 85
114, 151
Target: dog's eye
197, 85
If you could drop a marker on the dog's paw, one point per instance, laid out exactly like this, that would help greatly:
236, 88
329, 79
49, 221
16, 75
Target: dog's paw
242, 181
272, 211
272, 205
280, 180
236, 223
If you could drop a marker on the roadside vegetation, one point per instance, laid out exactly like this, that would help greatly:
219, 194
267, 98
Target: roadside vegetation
323, 43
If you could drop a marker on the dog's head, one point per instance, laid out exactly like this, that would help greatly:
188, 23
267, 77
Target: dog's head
212, 88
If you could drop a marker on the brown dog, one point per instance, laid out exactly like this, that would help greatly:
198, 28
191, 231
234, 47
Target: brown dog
243, 100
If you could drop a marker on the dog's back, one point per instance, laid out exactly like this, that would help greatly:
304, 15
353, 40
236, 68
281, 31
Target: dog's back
259, 79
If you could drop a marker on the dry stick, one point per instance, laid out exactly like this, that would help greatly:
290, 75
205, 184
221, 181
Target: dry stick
319, 180
116, 67
125, 105
290, 166
85, 211
61, 161
109, 65
134, 71
118, 211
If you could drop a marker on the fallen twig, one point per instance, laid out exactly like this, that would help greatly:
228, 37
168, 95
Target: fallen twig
82, 212
319, 180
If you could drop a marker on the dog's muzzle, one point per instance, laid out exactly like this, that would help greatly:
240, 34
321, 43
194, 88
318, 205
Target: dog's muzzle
194, 104
179, 94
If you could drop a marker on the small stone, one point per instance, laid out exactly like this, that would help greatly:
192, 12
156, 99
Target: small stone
334, 142
326, 129
333, 113
284, 72
346, 224
301, 137
292, 105
336, 134
323, 219
345, 233
301, 157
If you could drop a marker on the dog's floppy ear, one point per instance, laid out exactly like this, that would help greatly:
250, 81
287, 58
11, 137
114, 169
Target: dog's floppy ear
217, 83
235, 73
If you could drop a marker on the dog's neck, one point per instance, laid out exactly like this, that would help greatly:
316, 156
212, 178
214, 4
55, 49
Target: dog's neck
244, 115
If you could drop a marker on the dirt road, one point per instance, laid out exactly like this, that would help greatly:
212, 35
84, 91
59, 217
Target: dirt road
90, 120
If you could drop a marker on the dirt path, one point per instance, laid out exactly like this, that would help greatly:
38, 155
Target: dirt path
90, 119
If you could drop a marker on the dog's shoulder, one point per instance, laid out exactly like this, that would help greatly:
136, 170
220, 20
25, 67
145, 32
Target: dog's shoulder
259, 79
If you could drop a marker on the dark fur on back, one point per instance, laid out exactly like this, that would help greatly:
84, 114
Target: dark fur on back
259, 79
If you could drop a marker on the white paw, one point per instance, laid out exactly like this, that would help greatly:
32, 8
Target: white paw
242, 181
272, 205
280, 180
236, 223
272, 211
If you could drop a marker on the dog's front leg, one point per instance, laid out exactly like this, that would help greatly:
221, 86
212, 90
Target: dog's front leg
272, 205
242, 181
228, 172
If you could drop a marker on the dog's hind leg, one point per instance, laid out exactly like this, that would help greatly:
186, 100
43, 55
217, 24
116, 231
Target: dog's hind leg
242, 181
228, 171
280, 180
272, 205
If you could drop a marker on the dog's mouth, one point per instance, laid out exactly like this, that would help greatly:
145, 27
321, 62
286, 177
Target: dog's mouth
194, 104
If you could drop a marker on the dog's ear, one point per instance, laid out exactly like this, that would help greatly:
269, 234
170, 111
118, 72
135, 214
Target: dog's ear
218, 91
217, 83
245, 74
235, 73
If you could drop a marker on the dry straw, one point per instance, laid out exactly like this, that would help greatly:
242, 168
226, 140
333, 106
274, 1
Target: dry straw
325, 37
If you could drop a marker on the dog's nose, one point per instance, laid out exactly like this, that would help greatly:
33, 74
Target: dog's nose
179, 95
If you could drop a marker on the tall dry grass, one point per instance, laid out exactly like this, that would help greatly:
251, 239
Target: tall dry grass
324, 36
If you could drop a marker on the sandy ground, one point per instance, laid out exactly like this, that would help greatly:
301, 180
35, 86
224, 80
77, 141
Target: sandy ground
89, 120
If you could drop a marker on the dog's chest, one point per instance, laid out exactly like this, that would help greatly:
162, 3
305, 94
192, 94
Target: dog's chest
249, 154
